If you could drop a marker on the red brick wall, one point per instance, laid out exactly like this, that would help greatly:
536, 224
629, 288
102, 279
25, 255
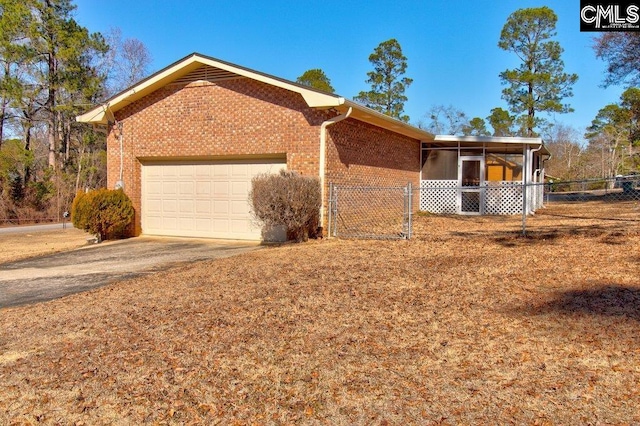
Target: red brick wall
244, 117
364, 155
231, 118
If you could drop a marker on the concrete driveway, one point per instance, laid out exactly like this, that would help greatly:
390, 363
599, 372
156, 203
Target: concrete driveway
49, 277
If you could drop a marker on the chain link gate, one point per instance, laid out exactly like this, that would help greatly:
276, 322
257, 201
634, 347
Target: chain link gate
370, 212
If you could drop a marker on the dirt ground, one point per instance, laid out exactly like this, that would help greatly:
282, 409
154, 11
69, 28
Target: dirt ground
23, 246
467, 323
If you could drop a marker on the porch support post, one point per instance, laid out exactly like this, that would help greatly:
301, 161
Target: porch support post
525, 173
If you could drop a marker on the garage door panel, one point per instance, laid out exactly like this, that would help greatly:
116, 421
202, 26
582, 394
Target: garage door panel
239, 171
203, 188
203, 170
154, 188
154, 222
221, 171
186, 223
187, 189
240, 188
187, 171
203, 207
168, 171
169, 222
170, 188
239, 208
200, 200
153, 172
169, 207
221, 207
154, 207
239, 226
187, 207
221, 189
221, 227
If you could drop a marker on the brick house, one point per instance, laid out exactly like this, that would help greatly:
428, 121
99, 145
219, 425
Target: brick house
185, 143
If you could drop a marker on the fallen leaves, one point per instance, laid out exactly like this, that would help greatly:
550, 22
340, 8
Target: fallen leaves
467, 323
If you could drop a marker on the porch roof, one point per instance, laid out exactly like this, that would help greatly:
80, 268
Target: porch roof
492, 141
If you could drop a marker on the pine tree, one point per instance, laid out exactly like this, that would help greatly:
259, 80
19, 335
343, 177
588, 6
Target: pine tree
539, 84
317, 79
387, 82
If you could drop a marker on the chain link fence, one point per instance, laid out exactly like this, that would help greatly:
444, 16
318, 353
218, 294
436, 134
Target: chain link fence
620, 189
546, 208
370, 212
600, 204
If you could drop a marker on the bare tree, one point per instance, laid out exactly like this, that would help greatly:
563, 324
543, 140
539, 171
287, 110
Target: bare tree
564, 144
444, 120
127, 62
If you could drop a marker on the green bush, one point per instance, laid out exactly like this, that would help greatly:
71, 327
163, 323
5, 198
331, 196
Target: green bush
287, 199
106, 213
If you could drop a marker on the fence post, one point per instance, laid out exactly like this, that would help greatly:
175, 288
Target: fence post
524, 209
409, 211
329, 213
335, 211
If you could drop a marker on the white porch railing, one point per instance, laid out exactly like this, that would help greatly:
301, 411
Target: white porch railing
497, 197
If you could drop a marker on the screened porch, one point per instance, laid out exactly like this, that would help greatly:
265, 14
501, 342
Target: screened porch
482, 175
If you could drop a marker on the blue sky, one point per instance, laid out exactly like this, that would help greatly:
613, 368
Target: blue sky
451, 46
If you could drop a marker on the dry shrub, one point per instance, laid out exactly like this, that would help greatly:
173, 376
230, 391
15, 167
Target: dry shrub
287, 199
106, 213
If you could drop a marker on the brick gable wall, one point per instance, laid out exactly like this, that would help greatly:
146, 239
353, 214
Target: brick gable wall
229, 119
244, 118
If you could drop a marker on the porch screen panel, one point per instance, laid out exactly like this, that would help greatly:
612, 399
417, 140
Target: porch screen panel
503, 167
440, 164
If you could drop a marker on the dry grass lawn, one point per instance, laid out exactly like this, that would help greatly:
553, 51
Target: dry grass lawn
22, 246
464, 324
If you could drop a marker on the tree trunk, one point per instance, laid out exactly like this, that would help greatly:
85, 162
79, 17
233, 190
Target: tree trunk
27, 146
532, 113
5, 103
52, 81
2, 118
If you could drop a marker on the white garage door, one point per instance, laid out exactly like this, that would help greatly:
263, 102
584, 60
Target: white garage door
201, 200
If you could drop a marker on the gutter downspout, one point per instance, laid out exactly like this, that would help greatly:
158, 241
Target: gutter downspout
323, 155
120, 182
541, 175
534, 173
119, 127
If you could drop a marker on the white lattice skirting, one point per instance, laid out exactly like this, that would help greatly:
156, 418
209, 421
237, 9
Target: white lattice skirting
439, 196
498, 198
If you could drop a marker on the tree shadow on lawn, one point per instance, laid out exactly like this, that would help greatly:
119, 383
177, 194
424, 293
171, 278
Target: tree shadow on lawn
607, 300
547, 235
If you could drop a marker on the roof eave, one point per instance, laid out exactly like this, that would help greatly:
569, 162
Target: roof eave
104, 113
514, 140
377, 118
489, 139
313, 98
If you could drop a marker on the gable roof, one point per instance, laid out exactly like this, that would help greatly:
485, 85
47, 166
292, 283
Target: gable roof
197, 66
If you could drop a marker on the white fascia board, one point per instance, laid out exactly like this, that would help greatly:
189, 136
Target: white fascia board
96, 115
375, 117
312, 97
101, 113
488, 139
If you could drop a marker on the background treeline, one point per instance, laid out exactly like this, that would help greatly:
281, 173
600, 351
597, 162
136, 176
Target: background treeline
609, 147
535, 93
51, 70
